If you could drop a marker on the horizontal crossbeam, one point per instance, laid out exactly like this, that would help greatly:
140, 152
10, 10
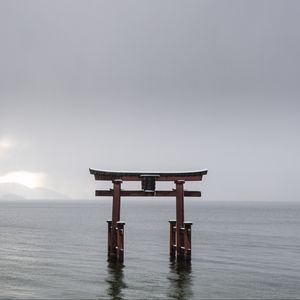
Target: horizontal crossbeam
141, 193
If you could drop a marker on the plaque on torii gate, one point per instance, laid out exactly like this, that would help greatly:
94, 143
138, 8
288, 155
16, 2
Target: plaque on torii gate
180, 231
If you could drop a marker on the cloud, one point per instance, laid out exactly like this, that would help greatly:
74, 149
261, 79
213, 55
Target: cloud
7, 144
29, 179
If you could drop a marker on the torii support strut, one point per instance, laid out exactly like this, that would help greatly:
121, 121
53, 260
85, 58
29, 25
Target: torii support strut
180, 231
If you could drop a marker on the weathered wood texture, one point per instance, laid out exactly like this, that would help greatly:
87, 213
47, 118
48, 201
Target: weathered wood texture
172, 244
109, 229
116, 208
185, 250
140, 193
187, 240
179, 217
120, 241
137, 176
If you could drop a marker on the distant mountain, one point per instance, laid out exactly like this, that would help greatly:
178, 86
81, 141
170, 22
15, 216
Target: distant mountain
15, 191
11, 197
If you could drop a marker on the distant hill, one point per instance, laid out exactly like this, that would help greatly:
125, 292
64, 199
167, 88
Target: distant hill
15, 191
11, 197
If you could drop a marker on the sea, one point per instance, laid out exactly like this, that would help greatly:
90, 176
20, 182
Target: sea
240, 250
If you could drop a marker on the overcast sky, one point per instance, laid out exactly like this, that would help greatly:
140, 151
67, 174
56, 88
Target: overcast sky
153, 85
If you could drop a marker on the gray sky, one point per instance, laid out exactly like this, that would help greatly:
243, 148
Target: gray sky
153, 85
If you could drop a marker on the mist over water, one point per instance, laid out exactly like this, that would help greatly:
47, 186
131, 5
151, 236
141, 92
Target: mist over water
152, 85
239, 250
160, 86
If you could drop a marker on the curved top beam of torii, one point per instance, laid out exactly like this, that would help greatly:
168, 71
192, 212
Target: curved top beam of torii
137, 176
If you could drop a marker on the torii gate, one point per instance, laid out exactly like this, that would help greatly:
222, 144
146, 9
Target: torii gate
180, 231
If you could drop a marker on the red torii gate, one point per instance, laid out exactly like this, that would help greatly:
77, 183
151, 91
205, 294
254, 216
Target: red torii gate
180, 231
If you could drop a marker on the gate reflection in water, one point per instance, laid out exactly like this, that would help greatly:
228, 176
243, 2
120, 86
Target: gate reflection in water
180, 278
115, 280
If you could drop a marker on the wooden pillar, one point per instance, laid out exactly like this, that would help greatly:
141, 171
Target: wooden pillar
116, 207
188, 240
172, 238
179, 218
120, 241
109, 228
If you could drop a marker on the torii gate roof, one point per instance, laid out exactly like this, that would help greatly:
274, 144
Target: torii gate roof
138, 175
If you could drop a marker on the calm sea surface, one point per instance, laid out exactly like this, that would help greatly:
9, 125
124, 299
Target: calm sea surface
240, 250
